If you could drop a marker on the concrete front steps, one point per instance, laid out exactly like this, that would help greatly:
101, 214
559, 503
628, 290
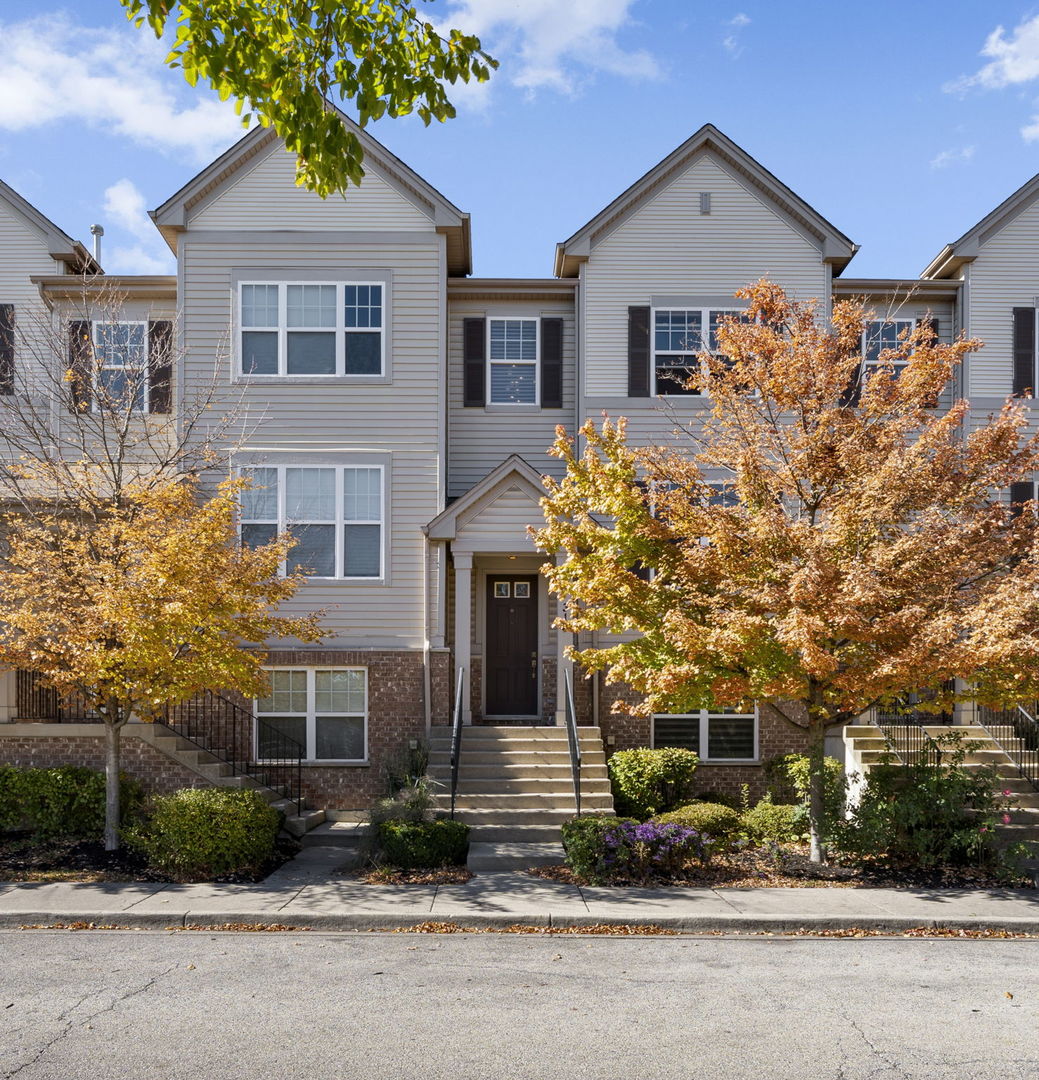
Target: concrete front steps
866, 746
298, 822
515, 790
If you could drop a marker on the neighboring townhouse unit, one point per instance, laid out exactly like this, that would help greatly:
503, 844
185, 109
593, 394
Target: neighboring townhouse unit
396, 412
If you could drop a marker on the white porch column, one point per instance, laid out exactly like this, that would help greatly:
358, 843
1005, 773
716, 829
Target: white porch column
463, 627
564, 666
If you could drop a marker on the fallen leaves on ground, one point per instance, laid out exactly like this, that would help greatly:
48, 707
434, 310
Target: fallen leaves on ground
246, 928
394, 875
609, 929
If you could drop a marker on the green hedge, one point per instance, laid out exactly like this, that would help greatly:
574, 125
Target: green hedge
770, 822
200, 833
584, 846
719, 825
647, 782
67, 801
423, 844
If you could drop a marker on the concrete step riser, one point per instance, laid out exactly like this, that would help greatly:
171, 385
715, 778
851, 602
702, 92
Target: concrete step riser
534, 788
520, 774
501, 856
526, 802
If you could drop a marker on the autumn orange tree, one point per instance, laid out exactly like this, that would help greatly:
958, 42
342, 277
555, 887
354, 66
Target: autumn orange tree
145, 605
866, 552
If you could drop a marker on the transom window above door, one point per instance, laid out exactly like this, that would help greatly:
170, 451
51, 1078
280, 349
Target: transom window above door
335, 514
679, 336
513, 361
311, 329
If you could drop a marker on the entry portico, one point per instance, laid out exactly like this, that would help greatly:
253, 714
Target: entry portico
499, 607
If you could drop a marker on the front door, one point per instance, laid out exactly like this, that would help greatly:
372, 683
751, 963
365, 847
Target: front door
511, 660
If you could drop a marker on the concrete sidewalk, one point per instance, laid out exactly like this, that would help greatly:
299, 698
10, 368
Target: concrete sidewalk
306, 893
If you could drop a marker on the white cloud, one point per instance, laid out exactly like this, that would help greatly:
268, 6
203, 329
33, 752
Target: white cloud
124, 206
740, 20
543, 44
731, 42
952, 157
1014, 59
114, 80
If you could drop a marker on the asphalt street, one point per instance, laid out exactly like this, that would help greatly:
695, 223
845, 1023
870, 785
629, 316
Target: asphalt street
156, 1005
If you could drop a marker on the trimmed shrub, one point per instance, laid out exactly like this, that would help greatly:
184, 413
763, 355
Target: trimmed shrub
647, 782
603, 849
424, 844
722, 798
200, 833
776, 823
789, 778
64, 802
718, 825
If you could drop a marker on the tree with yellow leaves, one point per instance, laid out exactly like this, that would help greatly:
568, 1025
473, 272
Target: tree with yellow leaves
866, 552
147, 605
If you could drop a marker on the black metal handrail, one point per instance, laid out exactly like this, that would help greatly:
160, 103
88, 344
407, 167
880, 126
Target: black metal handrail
570, 719
905, 734
1025, 728
456, 737
250, 745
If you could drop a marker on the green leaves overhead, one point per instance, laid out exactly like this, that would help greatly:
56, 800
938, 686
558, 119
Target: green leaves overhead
285, 61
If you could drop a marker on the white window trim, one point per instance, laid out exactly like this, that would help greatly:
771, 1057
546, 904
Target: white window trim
283, 524
704, 716
311, 714
869, 366
705, 329
98, 367
341, 330
535, 363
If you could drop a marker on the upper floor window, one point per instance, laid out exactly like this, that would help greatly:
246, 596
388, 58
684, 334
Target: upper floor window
512, 359
334, 512
290, 328
880, 335
679, 336
120, 365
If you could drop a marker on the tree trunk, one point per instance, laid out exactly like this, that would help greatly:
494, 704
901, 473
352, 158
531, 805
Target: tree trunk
816, 789
112, 729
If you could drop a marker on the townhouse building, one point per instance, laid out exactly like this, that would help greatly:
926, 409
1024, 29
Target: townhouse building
395, 413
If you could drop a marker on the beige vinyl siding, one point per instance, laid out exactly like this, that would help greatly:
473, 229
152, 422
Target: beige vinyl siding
667, 247
479, 439
402, 417
501, 524
23, 252
1005, 275
266, 196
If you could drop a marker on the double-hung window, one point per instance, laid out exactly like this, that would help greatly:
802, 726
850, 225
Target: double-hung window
121, 365
512, 361
311, 329
324, 710
718, 735
334, 512
880, 335
679, 336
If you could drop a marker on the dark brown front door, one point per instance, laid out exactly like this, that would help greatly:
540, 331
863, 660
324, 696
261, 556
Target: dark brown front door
511, 662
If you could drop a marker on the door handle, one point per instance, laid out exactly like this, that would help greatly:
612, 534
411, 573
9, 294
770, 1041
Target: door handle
533, 665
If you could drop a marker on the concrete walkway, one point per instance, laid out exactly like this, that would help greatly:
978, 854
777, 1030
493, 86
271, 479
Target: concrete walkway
305, 892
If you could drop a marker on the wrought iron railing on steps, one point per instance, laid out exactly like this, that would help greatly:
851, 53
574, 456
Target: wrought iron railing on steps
1016, 732
904, 726
250, 745
456, 738
570, 719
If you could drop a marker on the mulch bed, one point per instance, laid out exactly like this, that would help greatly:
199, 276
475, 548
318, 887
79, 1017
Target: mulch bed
24, 859
394, 875
790, 868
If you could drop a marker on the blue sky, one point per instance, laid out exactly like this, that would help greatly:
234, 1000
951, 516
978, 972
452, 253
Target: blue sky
903, 123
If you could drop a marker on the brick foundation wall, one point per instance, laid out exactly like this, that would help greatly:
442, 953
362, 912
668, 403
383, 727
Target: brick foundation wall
155, 772
775, 736
442, 686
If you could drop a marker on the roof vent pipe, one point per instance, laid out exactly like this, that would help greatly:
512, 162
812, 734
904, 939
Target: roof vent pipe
97, 231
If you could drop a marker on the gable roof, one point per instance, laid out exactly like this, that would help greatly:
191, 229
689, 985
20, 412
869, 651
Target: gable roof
836, 248
171, 216
952, 257
445, 525
59, 244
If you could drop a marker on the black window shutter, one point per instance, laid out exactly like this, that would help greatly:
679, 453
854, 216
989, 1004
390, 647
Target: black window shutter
160, 365
932, 325
6, 348
1024, 352
638, 352
474, 358
551, 363
81, 363
1021, 492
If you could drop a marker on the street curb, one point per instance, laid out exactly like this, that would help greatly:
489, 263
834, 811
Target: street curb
353, 921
